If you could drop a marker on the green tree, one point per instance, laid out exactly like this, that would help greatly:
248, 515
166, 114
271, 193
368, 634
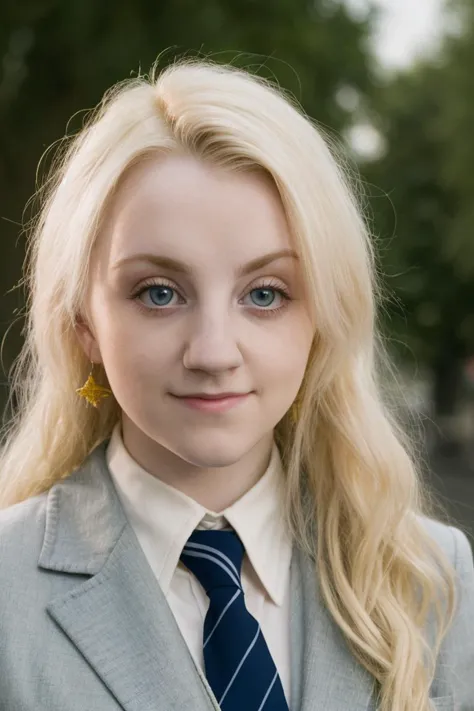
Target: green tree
422, 189
457, 130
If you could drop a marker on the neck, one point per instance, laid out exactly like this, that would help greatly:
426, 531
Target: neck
213, 487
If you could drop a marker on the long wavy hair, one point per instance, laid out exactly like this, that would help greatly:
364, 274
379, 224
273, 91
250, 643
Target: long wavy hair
355, 498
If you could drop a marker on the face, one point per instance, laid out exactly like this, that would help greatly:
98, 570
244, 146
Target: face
177, 308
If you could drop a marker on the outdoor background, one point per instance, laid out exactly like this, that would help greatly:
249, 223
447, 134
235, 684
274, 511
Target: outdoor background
394, 81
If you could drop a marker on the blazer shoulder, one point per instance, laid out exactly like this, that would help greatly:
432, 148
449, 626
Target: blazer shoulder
453, 676
452, 540
22, 527
24, 523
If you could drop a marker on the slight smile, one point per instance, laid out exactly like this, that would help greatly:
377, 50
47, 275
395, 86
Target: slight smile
214, 404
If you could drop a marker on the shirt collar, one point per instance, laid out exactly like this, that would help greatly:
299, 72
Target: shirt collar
164, 518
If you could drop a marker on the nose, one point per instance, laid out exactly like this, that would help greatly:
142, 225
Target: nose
212, 344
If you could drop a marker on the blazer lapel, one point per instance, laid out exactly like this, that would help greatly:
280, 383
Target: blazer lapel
118, 618
326, 676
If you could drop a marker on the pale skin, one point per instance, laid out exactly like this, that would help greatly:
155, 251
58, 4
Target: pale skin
209, 330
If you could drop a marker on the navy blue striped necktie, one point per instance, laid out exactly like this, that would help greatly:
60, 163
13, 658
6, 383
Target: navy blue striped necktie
239, 667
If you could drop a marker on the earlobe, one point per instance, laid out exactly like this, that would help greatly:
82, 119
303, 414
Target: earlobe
87, 339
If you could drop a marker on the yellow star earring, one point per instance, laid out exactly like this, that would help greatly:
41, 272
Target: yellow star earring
92, 391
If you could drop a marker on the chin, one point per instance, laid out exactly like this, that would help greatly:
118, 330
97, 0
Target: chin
208, 451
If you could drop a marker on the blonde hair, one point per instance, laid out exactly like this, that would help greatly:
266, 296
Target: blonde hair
355, 500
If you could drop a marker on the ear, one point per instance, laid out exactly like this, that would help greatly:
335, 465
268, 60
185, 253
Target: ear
87, 339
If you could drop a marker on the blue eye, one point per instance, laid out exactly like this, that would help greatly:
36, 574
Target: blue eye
264, 290
156, 294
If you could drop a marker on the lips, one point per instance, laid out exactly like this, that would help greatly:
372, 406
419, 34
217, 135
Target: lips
212, 397
213, 404
207, 396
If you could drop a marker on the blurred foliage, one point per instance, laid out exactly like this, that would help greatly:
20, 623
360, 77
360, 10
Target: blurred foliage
415, 217
422, 190
457, 132
59, 56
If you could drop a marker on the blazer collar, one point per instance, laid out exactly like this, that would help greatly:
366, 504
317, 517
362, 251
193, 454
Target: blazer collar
118, 617
84, 519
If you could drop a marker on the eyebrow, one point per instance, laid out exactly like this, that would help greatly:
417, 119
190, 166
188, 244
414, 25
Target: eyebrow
182, 268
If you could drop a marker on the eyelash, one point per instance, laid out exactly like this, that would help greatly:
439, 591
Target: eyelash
269, 284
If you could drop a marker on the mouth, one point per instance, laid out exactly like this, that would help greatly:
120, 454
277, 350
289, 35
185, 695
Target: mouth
213, 404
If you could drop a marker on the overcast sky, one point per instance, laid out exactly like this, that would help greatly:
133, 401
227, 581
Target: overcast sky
407, 28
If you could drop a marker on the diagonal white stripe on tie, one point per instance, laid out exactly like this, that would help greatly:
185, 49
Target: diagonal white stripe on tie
202, 547
220, 617
231, 575
268, 692
239, 667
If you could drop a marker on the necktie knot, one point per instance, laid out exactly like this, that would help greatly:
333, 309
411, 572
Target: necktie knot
215, 558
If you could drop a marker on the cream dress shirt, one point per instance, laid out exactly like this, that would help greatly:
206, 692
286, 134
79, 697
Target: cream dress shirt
163, 518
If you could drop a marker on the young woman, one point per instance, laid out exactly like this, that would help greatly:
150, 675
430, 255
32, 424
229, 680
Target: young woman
206, 503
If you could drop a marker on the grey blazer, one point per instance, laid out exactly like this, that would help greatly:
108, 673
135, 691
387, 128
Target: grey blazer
84, 625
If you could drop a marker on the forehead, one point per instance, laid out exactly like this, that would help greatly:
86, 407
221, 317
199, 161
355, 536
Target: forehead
183, 204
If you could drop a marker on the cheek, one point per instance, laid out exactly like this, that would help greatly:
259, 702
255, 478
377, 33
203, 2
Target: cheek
291, 362
123, 348
116, 323
282, 372
288, 367
285, 354
135, 362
